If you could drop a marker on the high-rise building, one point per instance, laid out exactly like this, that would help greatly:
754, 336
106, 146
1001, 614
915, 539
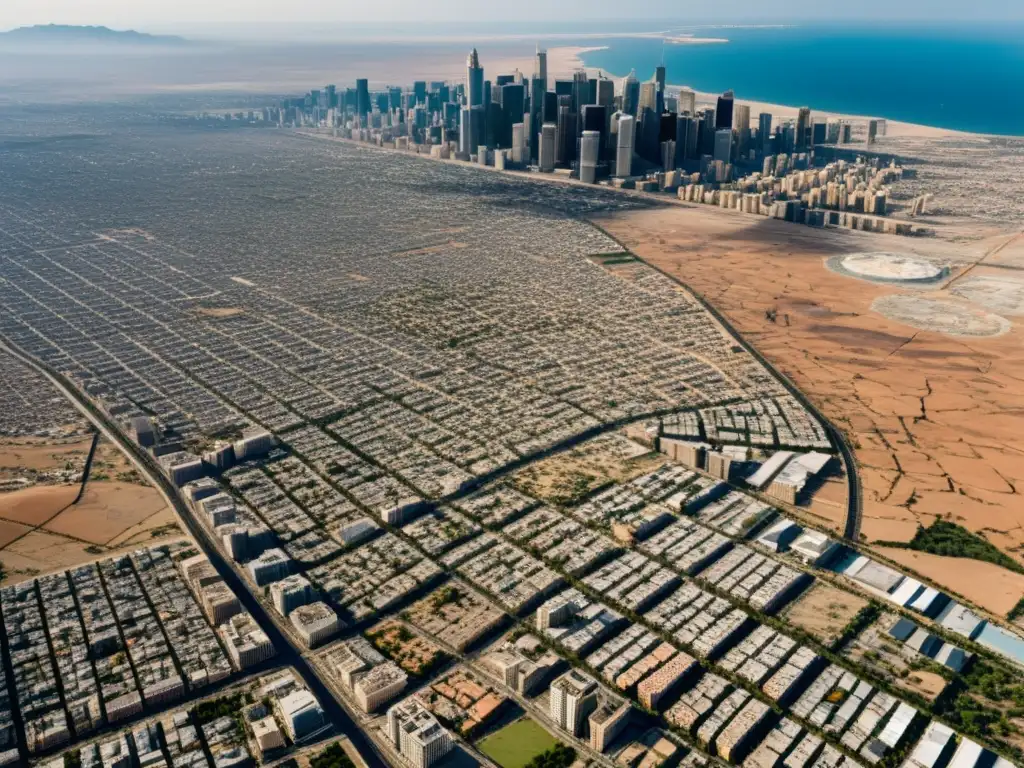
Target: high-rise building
764, 132
595, 118
362, 99
540, 68
723, 113
872, 131
803, 127
607, 721
520, 150
687, 102
631, 94
546, 158
513, 107
590, 154
605, 92
686, 139
723, 145
474, 80
565, 149
419, 91
624, 146
741, 124
648, 97
417, 734
659, 82
537, 94
573, 697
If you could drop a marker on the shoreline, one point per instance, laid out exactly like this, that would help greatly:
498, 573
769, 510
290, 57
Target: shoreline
564, 60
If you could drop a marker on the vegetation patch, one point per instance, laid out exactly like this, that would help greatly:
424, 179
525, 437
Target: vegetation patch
951, 540
521, 744
332, 757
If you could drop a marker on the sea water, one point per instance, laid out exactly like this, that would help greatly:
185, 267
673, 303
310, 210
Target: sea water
967, 77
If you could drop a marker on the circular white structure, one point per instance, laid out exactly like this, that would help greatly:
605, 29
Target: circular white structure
1000, 293
886, 267
940, 315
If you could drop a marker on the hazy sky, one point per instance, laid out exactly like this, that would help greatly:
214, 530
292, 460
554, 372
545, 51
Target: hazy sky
185, 14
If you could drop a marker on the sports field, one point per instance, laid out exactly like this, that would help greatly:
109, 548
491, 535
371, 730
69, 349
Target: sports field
517, 743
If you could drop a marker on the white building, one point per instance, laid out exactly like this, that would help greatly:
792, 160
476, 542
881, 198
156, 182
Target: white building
573, 698
315, 623
417, 735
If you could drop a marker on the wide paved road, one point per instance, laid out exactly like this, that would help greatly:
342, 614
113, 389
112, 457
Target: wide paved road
287, 652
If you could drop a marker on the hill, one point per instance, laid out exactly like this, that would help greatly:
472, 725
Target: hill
63, 33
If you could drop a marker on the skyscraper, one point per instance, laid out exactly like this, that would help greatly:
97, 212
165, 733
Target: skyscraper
513, 107
540, 67
419, 90
648, 96
741, 124
723, 114
362, 99
659, 81
624, 147
803, 127
605, 92
764, 132
723, 145
546, 157
474, 80
590, 152
687, 102
631, 94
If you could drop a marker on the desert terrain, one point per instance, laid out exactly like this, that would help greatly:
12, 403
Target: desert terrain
44, 443
936, 419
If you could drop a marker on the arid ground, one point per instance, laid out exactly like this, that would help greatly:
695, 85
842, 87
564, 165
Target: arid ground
937, 420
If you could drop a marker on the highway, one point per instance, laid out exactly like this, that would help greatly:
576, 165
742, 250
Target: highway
287, 652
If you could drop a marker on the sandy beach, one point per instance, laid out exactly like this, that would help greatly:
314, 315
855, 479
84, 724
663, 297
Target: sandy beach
563, 61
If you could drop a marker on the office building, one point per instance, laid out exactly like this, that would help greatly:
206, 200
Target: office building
474, 80
272, 565
540, 69
764, 132
624, 146
247, 644
723, 145
315, 623
659, 84
687, 102
724, 110
590, 150
648, 97
301, 713
631, 94
416, 734
573, 697
606, 93
513, 107
548, 134
362, 99
741, 125
803, 127
268, 736
520, 149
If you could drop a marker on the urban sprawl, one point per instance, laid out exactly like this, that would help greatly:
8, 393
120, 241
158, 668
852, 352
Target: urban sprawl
376, 442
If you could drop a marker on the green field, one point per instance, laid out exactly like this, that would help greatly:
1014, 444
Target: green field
516, 744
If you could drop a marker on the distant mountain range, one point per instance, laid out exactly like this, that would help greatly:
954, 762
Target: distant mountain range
63, 33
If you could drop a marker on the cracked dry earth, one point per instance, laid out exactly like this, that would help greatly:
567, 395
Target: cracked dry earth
937, 421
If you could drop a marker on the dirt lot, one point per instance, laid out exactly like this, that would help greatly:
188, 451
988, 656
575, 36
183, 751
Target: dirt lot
937, 421
566, 477
39, 529
824, 611
40, 552
106, 511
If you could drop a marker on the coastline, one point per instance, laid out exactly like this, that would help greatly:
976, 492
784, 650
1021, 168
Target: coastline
565, 60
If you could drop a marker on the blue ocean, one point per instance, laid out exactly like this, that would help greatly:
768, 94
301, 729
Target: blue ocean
967, 78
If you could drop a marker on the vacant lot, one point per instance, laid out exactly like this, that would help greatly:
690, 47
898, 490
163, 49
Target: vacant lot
824, 611
516, 744
567, 477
